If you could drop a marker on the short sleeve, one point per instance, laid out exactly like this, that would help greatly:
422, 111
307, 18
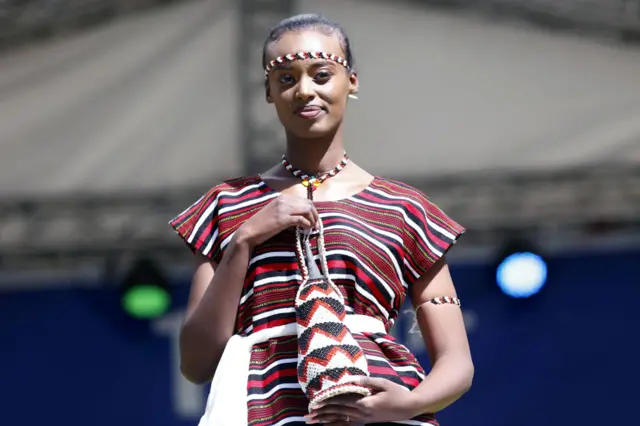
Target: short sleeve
428, 234
199, 225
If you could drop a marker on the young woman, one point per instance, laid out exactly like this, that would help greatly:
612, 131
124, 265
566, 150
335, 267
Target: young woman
383, 240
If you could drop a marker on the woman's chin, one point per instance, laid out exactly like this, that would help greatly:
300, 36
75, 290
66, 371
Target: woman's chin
315, 130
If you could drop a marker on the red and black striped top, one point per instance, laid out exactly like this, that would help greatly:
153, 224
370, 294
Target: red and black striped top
378, 242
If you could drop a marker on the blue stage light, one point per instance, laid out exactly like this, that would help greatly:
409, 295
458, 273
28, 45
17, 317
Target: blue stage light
521, 274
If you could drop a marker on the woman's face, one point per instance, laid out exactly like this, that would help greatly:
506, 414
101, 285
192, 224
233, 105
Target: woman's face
310, 95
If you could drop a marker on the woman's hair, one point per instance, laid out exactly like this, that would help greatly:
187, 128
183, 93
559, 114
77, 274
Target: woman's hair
309, 22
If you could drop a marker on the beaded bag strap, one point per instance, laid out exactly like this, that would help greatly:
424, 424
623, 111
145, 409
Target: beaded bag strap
307, 260
303, 237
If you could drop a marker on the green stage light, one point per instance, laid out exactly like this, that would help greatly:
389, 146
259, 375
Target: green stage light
145, 291
146, 301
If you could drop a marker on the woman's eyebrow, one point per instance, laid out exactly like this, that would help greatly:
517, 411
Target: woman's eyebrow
323, 64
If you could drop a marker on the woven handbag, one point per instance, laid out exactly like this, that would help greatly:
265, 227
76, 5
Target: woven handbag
330, 360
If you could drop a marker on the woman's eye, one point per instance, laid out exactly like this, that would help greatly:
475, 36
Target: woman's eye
286, 79
323, 76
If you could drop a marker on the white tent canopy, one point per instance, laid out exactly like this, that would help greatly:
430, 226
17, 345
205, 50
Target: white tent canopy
150, 102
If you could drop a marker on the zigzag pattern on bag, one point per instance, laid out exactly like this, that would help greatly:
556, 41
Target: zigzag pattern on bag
329, 358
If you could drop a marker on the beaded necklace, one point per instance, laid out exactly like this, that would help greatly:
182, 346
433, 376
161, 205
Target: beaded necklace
312, 182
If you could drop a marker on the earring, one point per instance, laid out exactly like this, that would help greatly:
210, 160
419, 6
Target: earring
353, 96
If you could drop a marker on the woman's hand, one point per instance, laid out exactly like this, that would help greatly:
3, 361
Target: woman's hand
286, 211
389, 402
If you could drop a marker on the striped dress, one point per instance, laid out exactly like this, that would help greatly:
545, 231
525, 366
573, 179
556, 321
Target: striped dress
379, 241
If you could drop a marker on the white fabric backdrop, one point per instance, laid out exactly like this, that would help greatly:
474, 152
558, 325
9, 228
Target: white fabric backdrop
150, 101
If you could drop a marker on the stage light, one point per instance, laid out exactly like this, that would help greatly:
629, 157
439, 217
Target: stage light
145, 291
521, 273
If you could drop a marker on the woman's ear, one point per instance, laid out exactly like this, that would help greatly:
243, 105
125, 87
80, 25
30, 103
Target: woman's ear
267, 92
354, 83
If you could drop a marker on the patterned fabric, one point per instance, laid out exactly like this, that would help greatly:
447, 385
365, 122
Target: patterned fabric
300, 56
378, 243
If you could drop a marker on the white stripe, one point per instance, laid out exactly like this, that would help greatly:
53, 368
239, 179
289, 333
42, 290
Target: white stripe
348, 277
275, 364
278, 279
259, 396
408, 368
290, 420
212, 240
405, 368
246, 297
274, 312
413, 271
226, 241
272, 254
191, 206
201, 220
249, 202
379, 358
384, 340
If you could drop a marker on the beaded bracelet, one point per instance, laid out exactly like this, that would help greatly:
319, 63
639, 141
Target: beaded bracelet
444, 300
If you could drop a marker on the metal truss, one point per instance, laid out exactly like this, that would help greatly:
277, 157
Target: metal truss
78, 230
260, 129
488, 200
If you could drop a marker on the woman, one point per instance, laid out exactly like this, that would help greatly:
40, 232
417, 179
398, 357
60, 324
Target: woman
383, 240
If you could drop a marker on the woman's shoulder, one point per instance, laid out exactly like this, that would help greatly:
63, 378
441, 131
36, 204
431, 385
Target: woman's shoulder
398, 191
206, 224
234, 191
226, 193
229, 191
235, 185
415, 204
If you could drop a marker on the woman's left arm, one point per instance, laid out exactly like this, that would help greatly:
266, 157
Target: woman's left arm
451, 374
445, 337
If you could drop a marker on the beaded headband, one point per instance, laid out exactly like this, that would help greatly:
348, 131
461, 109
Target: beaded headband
302, 56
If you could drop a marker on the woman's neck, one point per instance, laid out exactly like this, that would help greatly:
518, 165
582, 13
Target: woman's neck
315, 155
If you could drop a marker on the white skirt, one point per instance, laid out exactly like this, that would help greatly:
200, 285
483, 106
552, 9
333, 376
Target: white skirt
227, 401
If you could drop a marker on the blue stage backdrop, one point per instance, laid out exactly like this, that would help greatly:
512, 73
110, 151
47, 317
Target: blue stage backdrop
563, 358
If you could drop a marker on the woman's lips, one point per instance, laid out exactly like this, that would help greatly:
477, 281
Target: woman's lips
309, 111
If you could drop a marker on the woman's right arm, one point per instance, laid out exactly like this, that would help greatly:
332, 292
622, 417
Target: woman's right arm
216, 289
211, 311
